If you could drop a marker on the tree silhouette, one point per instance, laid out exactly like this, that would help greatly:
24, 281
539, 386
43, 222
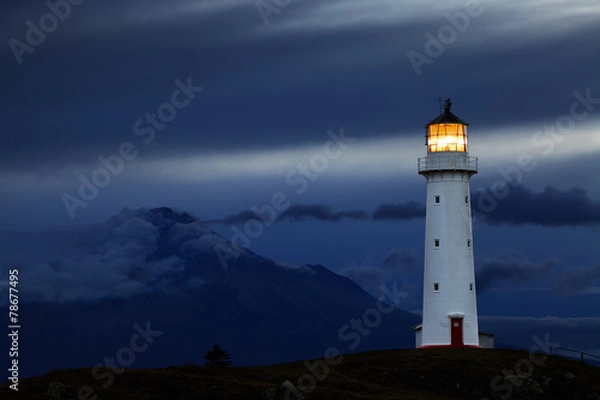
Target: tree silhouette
217, 357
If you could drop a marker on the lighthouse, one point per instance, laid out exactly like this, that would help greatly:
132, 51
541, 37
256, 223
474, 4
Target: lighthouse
449, 302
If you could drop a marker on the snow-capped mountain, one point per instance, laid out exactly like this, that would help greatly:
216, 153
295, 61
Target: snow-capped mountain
87, 290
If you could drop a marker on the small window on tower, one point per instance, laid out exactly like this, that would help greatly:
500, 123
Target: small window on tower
436, 243
468, 243
437, 199
466, 199
436, 286
471, 287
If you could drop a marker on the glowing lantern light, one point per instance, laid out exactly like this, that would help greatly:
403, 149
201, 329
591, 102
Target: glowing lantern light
446, 133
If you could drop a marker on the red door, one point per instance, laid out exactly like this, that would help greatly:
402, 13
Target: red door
456, 332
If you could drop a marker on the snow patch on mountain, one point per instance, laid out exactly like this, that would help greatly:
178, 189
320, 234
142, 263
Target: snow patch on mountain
131, 253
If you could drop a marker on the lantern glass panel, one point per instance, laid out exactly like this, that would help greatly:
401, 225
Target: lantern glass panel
446, 137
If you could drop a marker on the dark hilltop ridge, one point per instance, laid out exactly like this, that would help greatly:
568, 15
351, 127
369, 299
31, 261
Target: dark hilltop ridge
389, 374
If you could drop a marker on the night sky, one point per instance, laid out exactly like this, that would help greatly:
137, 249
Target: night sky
214, 107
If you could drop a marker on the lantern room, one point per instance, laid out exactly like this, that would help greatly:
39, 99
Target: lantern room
447, 132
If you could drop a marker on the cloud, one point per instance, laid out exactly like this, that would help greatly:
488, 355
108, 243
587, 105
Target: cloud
551, 207
511, 270
88, 266
134, 252
546, 275
372, 277
233, 219
400, 266
579, 280
319, 212
521, 206
296, 212
369, 277
404, 260
138, 14
323, 40
411, 209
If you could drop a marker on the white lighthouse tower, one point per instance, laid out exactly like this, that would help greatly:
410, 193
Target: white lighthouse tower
449, 302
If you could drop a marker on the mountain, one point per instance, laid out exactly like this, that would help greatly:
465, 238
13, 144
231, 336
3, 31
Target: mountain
149, 288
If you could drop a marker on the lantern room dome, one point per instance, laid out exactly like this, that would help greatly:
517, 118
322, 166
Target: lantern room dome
447, 118
446, 132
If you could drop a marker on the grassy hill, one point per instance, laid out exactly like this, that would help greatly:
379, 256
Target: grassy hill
390, 374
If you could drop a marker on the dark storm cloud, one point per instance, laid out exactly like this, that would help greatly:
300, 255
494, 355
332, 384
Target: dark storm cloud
551, 207
402, 266
403, 260
239, 218
411, 209
578, 280
297, 212
510, 270
86, 89
372, 278
319, 212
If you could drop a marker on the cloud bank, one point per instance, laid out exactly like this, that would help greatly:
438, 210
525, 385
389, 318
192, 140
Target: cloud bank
513, 271
134, 252
551, 207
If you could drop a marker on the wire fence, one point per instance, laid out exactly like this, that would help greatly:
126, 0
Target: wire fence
582, 354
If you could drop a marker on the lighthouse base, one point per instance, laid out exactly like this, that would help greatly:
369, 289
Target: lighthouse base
486, 341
